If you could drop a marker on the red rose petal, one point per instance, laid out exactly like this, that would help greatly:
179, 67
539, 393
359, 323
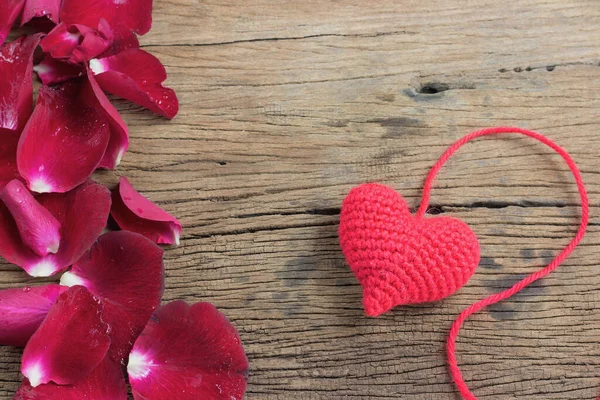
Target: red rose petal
119, 45
105, 382
52, 71
39, 229
133, 212
119, 134
188, 353
77, 43
82, 214
70, 343
137, 76
22, 312
122, 16
8, 157
63, 142
125, 271
16, 88
41, 8
9, 11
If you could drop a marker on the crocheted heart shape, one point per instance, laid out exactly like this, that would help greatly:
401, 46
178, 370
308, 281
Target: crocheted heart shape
400, 258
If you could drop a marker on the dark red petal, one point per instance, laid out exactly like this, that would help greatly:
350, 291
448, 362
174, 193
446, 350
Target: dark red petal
63, 142
125, 271
40, 8
8, 157
105, 382
16, 87
52, 71
39, 230
122, 16
9, 11
119, 134
188, 353
137, 76
133, 212
23, 310
77, 43
70, 343
82, 214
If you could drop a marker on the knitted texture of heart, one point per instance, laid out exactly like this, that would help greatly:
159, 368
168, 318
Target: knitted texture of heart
401, 258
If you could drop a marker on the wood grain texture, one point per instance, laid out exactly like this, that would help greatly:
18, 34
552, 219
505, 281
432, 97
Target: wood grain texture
286, 105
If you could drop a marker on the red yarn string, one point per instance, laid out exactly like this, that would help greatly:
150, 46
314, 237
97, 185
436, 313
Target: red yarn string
495, 298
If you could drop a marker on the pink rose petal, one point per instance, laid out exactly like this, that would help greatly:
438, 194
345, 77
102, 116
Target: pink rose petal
137, 76
40, 8
125, 271
77, 43
52, 71
82, 214
16, 88
39, 230
9, 11
63, 142
8, 157
70, 343
133, 212
122, 16
105, 382
188, 353
22, 312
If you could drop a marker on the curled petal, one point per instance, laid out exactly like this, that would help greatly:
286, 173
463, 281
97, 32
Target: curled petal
70, 343
39, 229
188, 353
77, 43
134, 212
9, 11
82, 214
137, 76
125, 271
52, 71
119, 45
16, 88
63, 142
40, 8
22, 312
105, 382
123, 17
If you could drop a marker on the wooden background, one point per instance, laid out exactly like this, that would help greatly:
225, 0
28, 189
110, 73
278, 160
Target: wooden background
286, 105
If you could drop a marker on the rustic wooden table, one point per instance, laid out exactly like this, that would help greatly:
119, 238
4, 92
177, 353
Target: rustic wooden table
286, 105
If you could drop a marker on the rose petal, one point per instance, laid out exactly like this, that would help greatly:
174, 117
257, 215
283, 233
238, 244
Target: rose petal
122, 16
52, 71
137, 76
188, 353
9, 11
23, 310
16, 88
125, 271
121, 44
77, 43
63, 142
39, 230
82, 214
40, 8
119, 134
70, 343
8, 157
133, 212
105, 382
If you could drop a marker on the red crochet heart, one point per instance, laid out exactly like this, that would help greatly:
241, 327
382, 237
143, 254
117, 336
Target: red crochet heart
400, 258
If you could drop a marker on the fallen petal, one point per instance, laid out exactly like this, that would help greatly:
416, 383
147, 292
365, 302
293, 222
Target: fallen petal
82, 214
41, 8
8, 157
188, 353
133, 212
52, 71
77, 43
39, 230
63, 142
70, 343
105, 382
16, 87
123, 17
9, 11
137, 76
125, 271
22, 311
